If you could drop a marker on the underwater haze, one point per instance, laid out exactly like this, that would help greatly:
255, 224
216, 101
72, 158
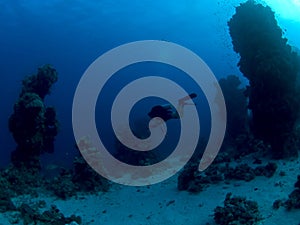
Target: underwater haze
70, 35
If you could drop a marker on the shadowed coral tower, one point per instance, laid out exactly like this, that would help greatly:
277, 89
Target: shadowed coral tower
32, 124
271, 67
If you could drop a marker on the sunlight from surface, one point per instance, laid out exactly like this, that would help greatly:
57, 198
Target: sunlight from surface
287, 9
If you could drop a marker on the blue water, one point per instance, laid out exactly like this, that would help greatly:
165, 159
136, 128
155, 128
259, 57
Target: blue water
70, 35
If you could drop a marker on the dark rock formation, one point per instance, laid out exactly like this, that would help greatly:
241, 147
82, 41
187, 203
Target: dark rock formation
81, 179
271, 67
87, 179
192, 180
293, 201
53, 216
32, 124
236, 105
237, 210
16, 181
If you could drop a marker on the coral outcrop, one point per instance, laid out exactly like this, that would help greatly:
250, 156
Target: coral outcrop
237, 210
33, 124
192, 180
81, 179
293, 201
294, 197
236, 106
271, 67
30, 214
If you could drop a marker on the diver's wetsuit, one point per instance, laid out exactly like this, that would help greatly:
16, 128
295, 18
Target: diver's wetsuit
168, 111
165, 112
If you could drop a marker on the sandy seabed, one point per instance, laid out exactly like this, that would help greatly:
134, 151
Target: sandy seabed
164, 204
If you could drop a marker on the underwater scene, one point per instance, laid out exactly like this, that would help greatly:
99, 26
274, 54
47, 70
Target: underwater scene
175, 112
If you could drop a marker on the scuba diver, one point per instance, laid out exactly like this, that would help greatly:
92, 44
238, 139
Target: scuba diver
168, 111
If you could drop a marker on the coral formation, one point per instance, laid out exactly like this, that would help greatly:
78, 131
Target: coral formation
5, 202
94, 183
41, 82
127, 155
271, 67
62, 186
188, 179
15, 181
192, 180
293, 201
245, 172
82, 179
237, 210
53, 216
236, 106
32, 124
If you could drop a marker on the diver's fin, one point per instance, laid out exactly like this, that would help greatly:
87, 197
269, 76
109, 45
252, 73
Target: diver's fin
193, 95
190, 96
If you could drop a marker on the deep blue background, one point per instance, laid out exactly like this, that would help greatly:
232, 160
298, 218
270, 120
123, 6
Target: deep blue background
72, 34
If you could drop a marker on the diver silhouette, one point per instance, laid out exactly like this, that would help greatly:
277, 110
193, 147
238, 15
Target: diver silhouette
168, 111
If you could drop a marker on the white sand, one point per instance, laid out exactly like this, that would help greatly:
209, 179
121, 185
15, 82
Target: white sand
164, 204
